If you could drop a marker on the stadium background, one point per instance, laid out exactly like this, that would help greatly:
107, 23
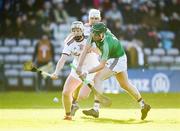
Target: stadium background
150, 33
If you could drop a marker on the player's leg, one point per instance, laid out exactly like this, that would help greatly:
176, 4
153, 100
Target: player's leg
70, 85
85, 90
98, 80
84, 93
91, 60
122, 78
76, 92
75, 105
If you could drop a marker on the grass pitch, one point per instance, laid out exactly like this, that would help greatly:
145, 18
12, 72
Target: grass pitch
20, 111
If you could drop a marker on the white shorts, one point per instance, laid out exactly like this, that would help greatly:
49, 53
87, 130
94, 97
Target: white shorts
90, 61
117, 64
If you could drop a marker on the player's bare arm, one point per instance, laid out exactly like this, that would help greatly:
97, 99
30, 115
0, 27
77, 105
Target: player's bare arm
99, 67
59, 66
82, 57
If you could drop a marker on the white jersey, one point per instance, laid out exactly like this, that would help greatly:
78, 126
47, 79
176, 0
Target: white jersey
73, 48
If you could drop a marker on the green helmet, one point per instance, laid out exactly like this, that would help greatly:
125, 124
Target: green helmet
98, 28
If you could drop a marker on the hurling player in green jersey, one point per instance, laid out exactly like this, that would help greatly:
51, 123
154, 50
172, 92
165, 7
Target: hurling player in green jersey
113, 62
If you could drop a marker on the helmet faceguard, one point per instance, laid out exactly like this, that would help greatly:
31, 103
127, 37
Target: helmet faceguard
77, 30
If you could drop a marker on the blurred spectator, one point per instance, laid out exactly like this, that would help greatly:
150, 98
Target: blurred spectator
151, 18
148, 36
44, 54
152, 39
19, 28
73, 7
130, 32
164, 21
60, 14
47, 11
28, 8
46, 28
142, 20
174, 22
120, 5
38, 4
7, 12
133, 47
106, 5
117, 30
7, 29
84, 12
134, 53
171, 6
142, 33
128, 14
166, 38
113, 15
32, 28
162, 15
96, 3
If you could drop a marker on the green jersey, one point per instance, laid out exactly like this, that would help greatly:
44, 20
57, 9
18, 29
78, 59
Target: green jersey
110, 46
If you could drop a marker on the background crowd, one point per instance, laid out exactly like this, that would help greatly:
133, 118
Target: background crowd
148, 29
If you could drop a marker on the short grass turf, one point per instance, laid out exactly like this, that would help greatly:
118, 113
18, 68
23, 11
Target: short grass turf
33, 111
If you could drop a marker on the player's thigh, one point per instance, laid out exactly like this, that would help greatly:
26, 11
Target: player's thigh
71, 84
84, 92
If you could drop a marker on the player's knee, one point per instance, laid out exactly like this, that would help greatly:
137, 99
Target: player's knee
66, 93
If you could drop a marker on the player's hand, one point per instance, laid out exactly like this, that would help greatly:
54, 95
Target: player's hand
54, 76
78, 71
83, 75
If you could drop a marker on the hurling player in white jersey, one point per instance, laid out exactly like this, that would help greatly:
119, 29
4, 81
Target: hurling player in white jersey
83, 92
73, 48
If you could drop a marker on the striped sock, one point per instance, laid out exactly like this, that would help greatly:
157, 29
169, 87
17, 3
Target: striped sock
96, 105
141, 102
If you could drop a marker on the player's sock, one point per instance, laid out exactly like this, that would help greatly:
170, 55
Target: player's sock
74, 102
74, 107
96, 105
141, 102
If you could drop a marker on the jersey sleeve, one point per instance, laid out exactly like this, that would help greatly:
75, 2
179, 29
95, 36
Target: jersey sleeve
105, 52
89, 40
67, 50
